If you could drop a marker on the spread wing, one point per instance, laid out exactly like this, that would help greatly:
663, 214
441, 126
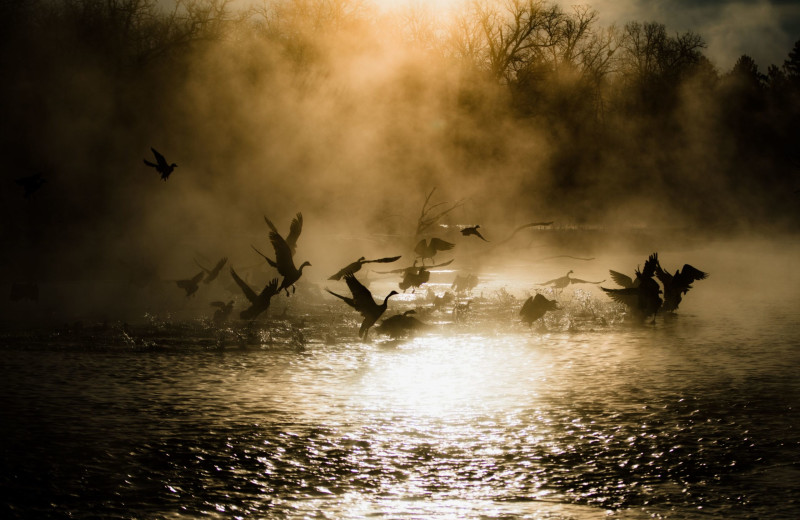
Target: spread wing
248, 292
362, 298
271, 289
268, 259
527, 307
629, 297
348, 269
294, 231
420, 247
219, 266
578, 280
620, 279
441, 265
441, 245
160, 158
386, 260
270, 224
283, 255
693, 274
185, 284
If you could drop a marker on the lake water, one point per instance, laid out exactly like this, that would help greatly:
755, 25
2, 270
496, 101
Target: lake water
590, 416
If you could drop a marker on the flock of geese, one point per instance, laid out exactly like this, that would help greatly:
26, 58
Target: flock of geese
641, 294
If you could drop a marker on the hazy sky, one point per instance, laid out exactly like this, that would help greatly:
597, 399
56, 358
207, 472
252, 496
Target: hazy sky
764, 29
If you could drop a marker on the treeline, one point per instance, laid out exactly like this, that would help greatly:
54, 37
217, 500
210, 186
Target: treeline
583, 122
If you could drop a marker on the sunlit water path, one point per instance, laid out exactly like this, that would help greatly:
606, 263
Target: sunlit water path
693, 417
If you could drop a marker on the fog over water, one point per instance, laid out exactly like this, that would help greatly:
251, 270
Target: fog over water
576, 145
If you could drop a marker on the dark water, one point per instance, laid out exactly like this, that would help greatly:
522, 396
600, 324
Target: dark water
694, 417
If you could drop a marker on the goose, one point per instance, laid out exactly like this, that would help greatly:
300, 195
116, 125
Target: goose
535, 307
473, 231
295, 228
415, 278
401, 325
354, 267
363, 302
211, 274
31, 183
284, 263
258, 302
644, 299
675, 286
224, 310
161, 165
428, 248
563, 281
191, 285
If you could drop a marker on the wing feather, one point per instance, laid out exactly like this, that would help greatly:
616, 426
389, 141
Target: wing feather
620, 279
249, 293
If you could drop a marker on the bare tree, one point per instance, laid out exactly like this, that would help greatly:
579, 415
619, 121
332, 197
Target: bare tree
430, 214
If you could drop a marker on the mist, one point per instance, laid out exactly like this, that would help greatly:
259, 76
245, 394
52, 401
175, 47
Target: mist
352, 115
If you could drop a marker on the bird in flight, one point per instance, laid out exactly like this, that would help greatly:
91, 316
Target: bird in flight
675, 286
363, 302
401, 325
473, 231
284, 263
223, 311
535, 307
428, 248
563, 281
211, 274
644, 299
31, 183
258, 302
295, 228
161, 165
354, 267
191, 285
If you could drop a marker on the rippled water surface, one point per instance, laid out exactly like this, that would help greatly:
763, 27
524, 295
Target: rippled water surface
588, 417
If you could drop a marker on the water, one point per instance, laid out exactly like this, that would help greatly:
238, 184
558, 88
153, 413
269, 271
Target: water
590, 417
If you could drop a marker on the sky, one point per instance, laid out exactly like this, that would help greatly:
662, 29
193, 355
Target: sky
765, 30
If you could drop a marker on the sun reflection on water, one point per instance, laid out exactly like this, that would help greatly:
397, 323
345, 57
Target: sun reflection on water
439, 376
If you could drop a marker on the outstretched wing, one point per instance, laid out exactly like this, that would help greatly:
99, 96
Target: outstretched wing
348, 269
199, 276
419, 249
441, 245
692, 274
578, 280
249, 293
283, 255
650, 266
386, 260
271, 289
527, 307
362, 298
348, 301
160, 158
443, 264
270, 224
268, 259
294, 231
620, 279
148, 163
219, 266
629, 297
